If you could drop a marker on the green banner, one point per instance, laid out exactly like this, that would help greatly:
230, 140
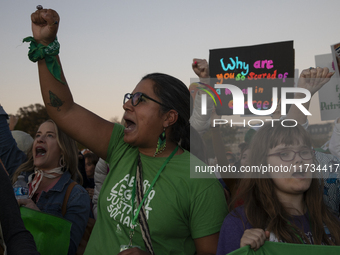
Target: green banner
51, 233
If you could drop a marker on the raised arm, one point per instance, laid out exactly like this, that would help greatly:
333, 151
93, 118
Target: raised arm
200, 122
311, 79
11, 156
334, 142
79, 123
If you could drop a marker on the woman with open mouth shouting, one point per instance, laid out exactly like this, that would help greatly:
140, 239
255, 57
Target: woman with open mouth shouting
54, 163
148, 203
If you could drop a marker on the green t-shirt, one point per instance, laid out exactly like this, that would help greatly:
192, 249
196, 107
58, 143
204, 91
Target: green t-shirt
179, 209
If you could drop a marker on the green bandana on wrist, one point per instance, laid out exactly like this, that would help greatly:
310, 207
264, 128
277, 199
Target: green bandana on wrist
49, 52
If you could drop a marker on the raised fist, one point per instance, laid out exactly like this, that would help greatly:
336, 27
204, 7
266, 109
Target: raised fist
45, 23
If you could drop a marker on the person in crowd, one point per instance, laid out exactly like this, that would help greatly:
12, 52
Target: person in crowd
53, 161
200, 122
313, 79
91, 161
48, 189
81, 168
149, 179
282, 206
17, 239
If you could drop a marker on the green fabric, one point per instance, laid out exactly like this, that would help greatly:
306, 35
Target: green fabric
179, 208
49, 53
273, 248
51, 233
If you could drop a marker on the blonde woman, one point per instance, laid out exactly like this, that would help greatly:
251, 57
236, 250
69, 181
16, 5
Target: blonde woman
52, 164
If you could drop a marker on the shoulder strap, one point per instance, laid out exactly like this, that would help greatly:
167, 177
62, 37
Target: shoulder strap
143, 223
67, 195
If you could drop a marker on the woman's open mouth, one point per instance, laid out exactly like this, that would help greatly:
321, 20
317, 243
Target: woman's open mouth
129, 125
40, 151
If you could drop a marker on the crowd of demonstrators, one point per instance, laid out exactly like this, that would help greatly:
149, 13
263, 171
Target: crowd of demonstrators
50, 166
136, 175
294, 207
326, 186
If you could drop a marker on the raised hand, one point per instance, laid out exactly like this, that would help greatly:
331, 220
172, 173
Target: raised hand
45, 23
314, 78
200, 67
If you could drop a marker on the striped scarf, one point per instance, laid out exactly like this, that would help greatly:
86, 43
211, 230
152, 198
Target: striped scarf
38, 176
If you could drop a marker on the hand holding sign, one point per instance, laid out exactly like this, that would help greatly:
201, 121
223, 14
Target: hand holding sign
255, 237
314, 78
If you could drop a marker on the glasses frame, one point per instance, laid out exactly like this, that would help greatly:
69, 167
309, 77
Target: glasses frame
295, 152
129, 96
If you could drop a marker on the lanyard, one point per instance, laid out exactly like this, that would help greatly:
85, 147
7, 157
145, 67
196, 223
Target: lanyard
134, 220
310, 227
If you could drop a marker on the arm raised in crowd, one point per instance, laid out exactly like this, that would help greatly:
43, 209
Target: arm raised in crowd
334, 142
11, 156
311, 79
79, 123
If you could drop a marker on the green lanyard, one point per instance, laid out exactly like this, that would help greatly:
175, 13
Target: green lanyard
310, 227
134, 220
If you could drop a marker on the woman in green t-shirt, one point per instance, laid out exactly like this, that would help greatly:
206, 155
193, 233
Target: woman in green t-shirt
157, 131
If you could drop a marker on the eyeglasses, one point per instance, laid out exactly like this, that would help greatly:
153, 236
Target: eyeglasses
289, 155
137, 98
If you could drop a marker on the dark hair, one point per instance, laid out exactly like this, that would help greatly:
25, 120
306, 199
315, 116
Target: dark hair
92, 157
175, 95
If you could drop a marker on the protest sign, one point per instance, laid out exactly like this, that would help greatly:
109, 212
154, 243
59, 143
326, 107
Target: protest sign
260, 67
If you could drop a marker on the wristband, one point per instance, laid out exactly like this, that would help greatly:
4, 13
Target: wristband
38, 51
